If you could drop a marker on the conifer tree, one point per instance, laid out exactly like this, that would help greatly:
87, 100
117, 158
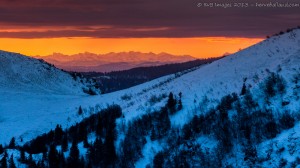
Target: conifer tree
4, 161
80, 111
244, 89
82, 162
153, 134
41, 164
171, 103
98, 147
110, 153
158, 160
64, 145
30, 161
22, 156
44, 157
85, 142
250, 155
62, 160
58, 134
53, 157
180, 102
73, 159
12, 162
99, 127
1, 149
12, 143
89, 165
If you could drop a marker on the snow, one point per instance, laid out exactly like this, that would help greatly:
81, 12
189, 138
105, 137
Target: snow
16, 157
207, 143
150, 149
82, 150
25, 74
287, 141
38, 100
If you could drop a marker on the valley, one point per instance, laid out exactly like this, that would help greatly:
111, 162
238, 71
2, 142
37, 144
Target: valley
240, 111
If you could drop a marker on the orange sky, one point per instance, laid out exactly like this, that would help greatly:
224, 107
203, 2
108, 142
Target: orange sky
198, 47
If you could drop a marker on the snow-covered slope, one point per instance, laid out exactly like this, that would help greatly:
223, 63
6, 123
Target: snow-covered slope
36, 114
227, 75
19, 73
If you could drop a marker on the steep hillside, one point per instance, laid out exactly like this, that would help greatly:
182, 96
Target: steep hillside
239, 111
118, 80
19, 73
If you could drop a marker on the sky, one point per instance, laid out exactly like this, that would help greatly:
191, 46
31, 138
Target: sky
193, 27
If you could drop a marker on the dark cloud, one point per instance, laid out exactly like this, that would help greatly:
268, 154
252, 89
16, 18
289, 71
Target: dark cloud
151, 18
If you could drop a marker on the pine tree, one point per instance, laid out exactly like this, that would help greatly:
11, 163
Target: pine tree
281, 85
85, 142
179, 104
82, 132
30, 161
80, 111
286, 120
153, 134
62, 160
109, 145
1, 149
270, 85
99, 127
165, 121
98, 151
95, 153
44, 157
158, 160
4, 161
53, 157
244, 89
22, 156
41, 164
12, 143
58, 134
51, 135
82, 162
182, 160
91, 155
89, 165
250, 155
64, 145
73, 159
12, 162
171, 103
249, 102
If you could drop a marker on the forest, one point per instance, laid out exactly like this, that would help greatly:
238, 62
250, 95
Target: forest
118, 80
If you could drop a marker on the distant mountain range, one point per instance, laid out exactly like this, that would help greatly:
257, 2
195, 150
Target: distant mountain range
87, 62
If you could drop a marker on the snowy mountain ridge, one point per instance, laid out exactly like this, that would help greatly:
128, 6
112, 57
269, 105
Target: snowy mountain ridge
202, 90
212, 81
24, 74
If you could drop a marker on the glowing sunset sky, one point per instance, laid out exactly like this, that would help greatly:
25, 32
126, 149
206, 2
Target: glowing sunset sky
198, 47
41, 27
